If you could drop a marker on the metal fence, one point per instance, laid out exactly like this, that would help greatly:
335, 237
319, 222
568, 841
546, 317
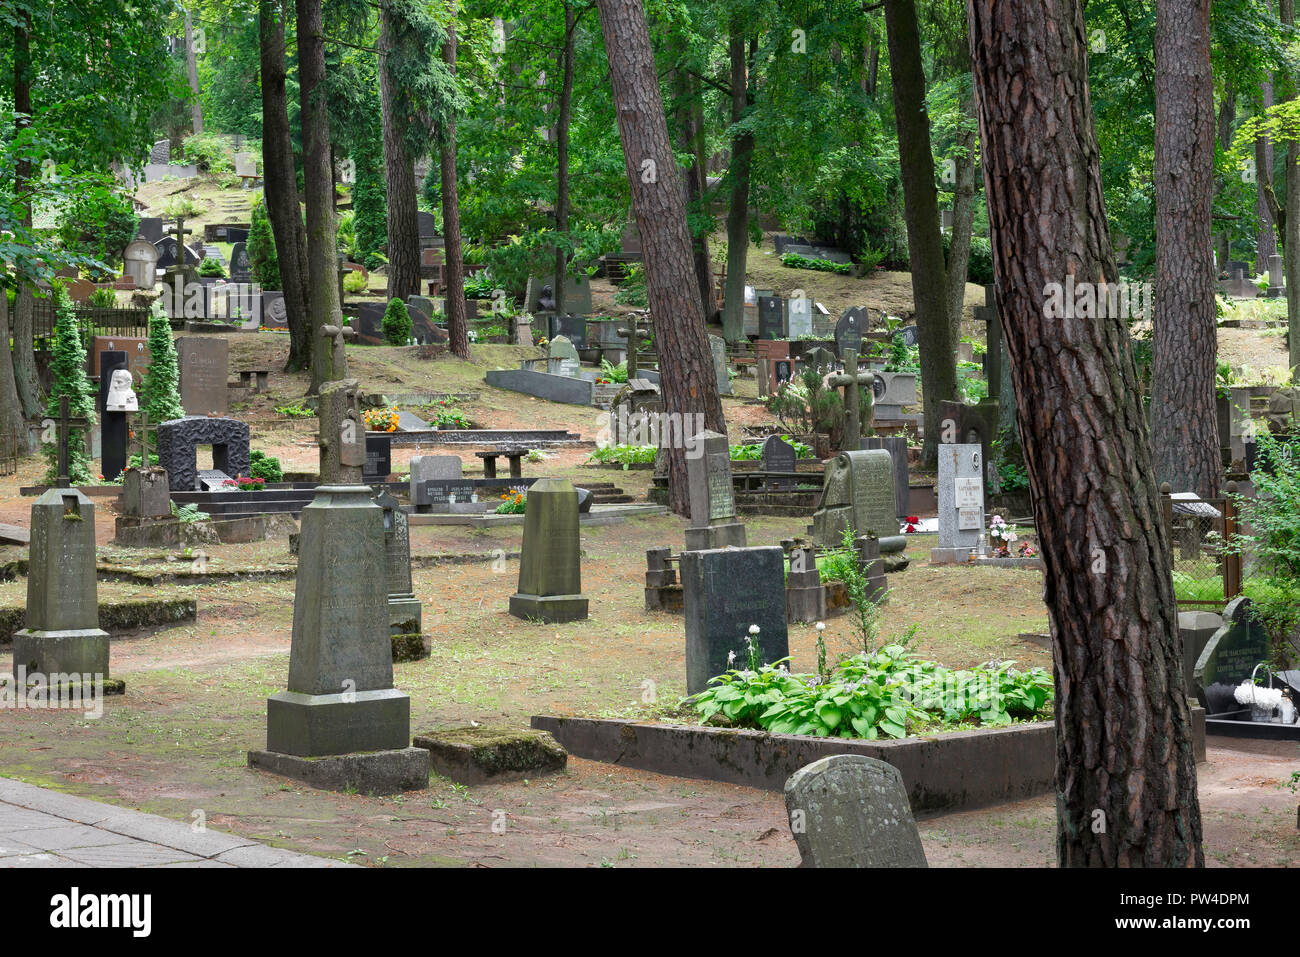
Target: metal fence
1207, 573
93, 321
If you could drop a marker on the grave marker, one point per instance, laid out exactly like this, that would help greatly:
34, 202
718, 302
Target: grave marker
205, 374
858, 490
961, 502
711, 495
550, 566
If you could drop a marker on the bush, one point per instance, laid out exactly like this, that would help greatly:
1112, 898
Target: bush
262, 258
208, 152
397, 323
103, 298
795, 261
160, 386
99, 225
68, 375
263, 466
210, 267
354, 281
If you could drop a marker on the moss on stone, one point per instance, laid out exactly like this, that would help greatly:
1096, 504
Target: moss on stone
473, 755
409, 647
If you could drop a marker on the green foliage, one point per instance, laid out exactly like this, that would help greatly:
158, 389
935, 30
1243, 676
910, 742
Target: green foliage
795, 261
68, 377
623, 455
262, 259
445, 415
209, 152
866, 610
296, 411
613, 373
189, 513
397, 323
632, 290
354, 281
160, 387
514, 503
210, 267
103, 297
753, 452
263, 466
99, 225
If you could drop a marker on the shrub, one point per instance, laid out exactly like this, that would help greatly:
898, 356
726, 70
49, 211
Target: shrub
795, 261
263, 466
160, 387
262, 258
397, 323
104, 298
68, 375
208, 152
210, 267
354, 281
514, 503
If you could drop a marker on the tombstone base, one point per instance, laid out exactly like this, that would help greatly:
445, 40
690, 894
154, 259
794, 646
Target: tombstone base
82, 652
372, 772
828, 527
951, 556
552, 609
729, 535
147, 532
319, 725
805, 603
405, 615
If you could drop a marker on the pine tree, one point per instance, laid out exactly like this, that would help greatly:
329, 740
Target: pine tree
262, 257
68, 376
160, 390
397, 323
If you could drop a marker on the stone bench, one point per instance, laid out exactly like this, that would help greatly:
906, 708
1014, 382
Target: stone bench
513, 456
246, 377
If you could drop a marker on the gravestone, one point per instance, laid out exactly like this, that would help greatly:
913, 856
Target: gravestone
410, 422
379, 457
1195, 629
370, 322
771, 317
205, 374
805, 597
896, 446
571, 327
161, 152
169, 253
577, 296
1231, 654
858, 490
1275, 287
342, 433
725, 591
561, 356
116, 399
850, 329
442, 495
79, 290
246, 165
140, 260
62, 634
240, 269
800, 318
550, 566
779, 456
718, 347
911, 336
428, 467
340, 701
150, 229
961, 502
849, 810
893, 392
179, 440
273, 312
427, 224
711, 495
404, 611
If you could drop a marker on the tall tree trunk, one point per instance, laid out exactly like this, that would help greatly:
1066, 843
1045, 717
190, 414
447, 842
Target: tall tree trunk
742, 152
562, 118
1291, 235
685, 361
1227, 117
192, 73
690, 127
457, 322
318, 193
921, 211
1125, 767
1266, 244
281, 185
12, 421
963, 223
24, 348
1184, 424
399, 172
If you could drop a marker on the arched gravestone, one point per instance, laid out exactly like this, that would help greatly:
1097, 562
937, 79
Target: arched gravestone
858, 490
852, 811
179, 440
141, 263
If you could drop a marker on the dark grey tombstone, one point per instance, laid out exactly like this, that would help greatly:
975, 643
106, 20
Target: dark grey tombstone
273, 313
151, 228
440, 494
550, 563
240, 270
178, 442
1195, 629
379, 457
113, 430
896, 446
573, 328
584, 501
911, 336
1231, 654
236, 234
725, 591
779, 456
428, 225
849, 330
771, 317
849, 810
370, 322
405, 614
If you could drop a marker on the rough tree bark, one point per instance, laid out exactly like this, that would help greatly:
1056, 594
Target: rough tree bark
24, 348
690, 127
1125, 770
192, 74
563, 115
1291, 233
921, 211
457, 322
658, 202
281, 185
1266, 244
742, 152
318, 193
399, 173
1184, 424
963, 223
12, 421
1226, 118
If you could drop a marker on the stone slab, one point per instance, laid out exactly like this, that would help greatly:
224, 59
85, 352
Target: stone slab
372, 772
478, 755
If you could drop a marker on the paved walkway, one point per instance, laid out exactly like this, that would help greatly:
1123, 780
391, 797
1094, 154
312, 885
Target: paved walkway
43, 828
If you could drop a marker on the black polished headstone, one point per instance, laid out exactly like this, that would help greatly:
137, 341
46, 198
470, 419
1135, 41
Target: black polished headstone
113, 431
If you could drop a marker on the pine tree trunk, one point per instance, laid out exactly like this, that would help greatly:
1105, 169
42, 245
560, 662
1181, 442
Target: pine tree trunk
1184, 423
1291, 235
318, 193
281, 186
921, 211
1125, 769
1266, 244
1227, 116
563, 116
690, 130
399, 176
687, 379
12, 421
457, 322
963, 223
742, 151
24, 349
192, 74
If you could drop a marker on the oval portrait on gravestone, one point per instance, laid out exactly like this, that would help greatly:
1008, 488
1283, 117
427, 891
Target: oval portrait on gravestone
275, 312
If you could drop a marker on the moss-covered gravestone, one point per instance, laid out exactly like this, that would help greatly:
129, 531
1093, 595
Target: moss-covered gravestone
404, 610
63, 641
550, 569
341, 724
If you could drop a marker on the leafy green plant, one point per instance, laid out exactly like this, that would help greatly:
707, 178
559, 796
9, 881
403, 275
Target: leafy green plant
515, 503
295, 411
104, 298
614, 373
632, 290
753, 452
354, 281
263, 261
189, 513
208, 152
795, 261
160, 385
623, 455
263, 466
866, 611
68, 375
210, 267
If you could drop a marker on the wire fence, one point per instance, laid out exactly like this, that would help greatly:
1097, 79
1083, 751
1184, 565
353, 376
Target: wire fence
1207, 574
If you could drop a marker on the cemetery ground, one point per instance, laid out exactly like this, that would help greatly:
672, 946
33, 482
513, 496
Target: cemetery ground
196, 698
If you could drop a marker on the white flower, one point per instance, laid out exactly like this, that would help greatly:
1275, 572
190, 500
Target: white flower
1266, 698
821, 626
731, 658
753, 629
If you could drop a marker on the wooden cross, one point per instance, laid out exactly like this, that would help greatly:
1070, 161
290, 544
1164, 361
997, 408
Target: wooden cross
635, 336
142, 430
65, 424
849, 380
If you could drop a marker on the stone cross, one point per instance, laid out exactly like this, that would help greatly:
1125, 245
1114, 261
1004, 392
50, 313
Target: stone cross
181, 233
65, 423
339, 359
143, 428
635, 336
849, 380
